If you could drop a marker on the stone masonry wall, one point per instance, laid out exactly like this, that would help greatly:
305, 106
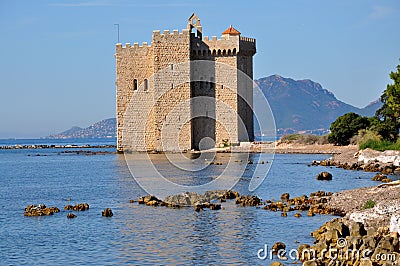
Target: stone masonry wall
157, 114
133, 63
172, 89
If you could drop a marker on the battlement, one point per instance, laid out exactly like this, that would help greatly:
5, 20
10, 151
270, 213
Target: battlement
247, 39
157, 33
119, 47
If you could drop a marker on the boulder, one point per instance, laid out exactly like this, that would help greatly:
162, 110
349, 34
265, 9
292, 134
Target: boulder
276, 263
81, 207
198, 207
68, 207
71, 215
186, 199
278, 246
324, 176
215, 206
230, 195
357, 229
107, 213
395, 224
40, 210
150, 200
248, 201
285, 196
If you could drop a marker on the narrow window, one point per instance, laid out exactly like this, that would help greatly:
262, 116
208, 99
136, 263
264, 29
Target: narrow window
135, 84
172, 85
145, 85
172, 65
222, 87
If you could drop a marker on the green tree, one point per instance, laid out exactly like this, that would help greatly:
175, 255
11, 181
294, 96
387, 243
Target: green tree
389, 113
345, 127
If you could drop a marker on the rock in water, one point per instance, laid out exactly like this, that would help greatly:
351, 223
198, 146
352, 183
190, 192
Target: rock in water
81, 207
107, 213
277, 247
248, 200
324, 176
39, 210
285, 197
71, 215
276, 263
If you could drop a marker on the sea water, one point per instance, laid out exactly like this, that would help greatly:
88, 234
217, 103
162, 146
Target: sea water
143, 235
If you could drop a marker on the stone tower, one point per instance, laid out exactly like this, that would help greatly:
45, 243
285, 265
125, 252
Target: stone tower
185, 91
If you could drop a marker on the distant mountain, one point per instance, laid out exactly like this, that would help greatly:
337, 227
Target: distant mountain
371, 108
103, 129
303, 105
297, 105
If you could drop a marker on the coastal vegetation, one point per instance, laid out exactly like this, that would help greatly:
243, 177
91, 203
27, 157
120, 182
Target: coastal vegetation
369, 204
307, 139
380, 132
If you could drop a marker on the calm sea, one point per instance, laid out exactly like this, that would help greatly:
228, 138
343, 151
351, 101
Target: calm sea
142, 235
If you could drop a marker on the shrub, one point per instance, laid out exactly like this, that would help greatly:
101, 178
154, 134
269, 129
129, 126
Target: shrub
368, 205
304, 139
368, 136
345, 127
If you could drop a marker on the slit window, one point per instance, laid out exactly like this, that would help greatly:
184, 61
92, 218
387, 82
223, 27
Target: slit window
135, 84
145, 85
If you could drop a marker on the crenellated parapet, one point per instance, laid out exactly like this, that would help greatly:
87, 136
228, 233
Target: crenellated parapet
167, 33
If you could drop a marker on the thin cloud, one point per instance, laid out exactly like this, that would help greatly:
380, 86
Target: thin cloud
380, 12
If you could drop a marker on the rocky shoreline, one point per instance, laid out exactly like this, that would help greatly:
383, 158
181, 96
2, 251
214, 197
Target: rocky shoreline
368, 233
386, 163
53, 146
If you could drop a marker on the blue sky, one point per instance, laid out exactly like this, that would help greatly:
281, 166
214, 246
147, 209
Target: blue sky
57, 57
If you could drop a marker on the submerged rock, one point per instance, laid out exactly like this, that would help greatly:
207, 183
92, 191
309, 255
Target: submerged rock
71, 215
381, 178
248, 201
81, 207
276, 263
193, 198
324, 176
150, 200
40, 210
277, 247
107, 213
285, 196
68, 207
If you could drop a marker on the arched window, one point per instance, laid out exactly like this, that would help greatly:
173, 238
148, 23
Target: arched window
224, 52
219, 52
135, 84
234, 51
229, 51
145, 85
214, 52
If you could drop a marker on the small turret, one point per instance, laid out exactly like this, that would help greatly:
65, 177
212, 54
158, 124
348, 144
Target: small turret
231, 31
